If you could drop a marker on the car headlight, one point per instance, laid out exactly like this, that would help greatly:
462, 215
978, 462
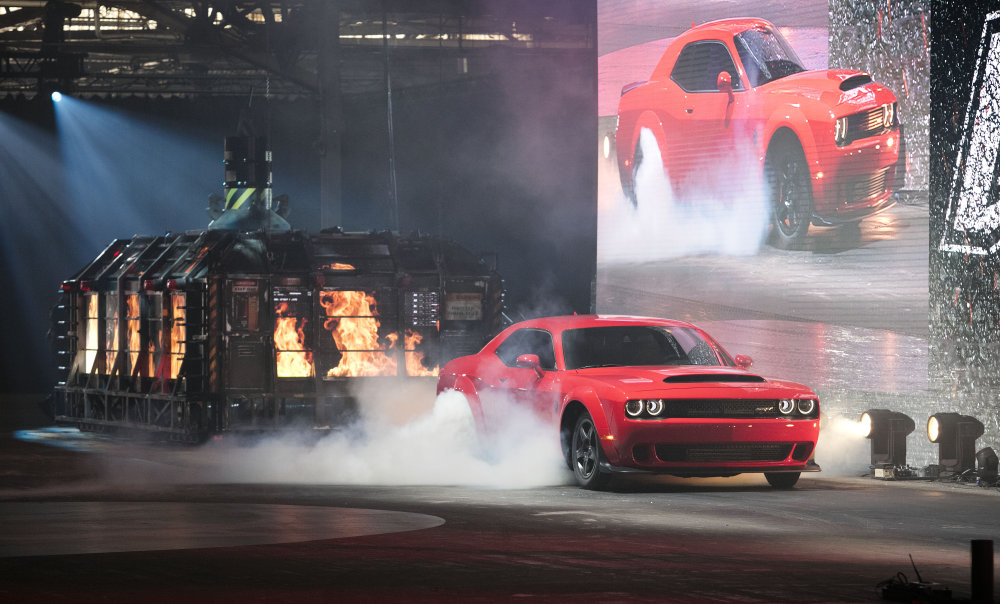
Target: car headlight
806, 406
786, 406
654, 406
888, 115
840, 130
634, 408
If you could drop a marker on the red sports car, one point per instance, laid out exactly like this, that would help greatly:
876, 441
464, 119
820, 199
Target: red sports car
827, 143
634, 394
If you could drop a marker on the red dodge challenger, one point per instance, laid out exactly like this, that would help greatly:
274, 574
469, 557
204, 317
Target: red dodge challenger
826, 142
635, 394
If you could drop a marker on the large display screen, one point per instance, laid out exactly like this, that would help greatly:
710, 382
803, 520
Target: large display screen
764, 174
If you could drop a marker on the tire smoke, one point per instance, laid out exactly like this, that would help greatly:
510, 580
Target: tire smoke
405, 436
727, 215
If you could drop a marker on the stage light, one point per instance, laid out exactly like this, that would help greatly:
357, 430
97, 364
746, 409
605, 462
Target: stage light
956, 436
56, 96
887, 430
987, 466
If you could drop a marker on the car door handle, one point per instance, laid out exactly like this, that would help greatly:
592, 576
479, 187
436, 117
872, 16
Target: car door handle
689, 110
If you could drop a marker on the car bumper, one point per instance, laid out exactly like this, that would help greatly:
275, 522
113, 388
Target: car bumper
705, 447
855, 181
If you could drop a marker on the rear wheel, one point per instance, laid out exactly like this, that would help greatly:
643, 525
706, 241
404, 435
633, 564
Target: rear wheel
585, 449
782, 480
791, 194
629, 187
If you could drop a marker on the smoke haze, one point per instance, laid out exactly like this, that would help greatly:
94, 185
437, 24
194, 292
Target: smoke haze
405, 436
728, 216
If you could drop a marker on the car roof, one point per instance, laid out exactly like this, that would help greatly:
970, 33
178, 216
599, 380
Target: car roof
731, 26
561, 323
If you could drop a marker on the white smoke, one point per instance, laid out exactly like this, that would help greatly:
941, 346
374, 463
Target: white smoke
728, 214
842, 449
401, 439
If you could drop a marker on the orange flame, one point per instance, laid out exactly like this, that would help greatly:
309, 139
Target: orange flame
352, 322
178, 333
93, 333
414, 359
338, 266
132, 327
293, 359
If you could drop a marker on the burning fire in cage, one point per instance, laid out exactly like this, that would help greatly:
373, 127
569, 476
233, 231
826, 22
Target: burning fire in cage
293, 360
353, 323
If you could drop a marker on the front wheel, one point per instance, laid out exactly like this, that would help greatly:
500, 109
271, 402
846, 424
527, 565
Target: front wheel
782, 480
791, 194
585, 449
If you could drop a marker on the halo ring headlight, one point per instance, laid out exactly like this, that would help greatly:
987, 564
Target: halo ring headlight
654, 406
786, 406
633, 408
806, 406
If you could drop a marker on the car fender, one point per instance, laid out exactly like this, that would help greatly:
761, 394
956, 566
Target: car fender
651, 121
791, 118
599, 412
462, 384
626, 146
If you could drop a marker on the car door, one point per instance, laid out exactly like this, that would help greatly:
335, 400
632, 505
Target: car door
700, 128
513, 389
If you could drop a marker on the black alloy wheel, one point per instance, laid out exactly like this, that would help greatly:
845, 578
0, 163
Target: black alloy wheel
782, 480
586, 451
791, 195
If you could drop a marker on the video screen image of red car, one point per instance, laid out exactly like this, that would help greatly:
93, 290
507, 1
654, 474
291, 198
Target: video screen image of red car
827, 143
632, 395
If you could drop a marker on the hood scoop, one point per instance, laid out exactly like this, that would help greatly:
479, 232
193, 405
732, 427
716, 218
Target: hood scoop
697, 378
855, 81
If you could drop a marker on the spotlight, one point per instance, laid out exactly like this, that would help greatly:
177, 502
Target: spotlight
956, 436
56, 96
887, 430
987, 466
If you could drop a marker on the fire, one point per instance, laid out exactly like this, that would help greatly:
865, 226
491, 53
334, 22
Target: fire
352, 322
293, 360
338, 266
178, 333
414, 359
93, 333
132, 327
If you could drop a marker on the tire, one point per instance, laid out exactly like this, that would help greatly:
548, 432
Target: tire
782, 480
790, 194
629, 187
585, 453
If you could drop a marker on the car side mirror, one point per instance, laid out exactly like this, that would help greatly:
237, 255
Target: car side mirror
529, 361
743, 361
725, 84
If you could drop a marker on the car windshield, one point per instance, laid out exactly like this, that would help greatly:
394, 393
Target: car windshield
632, 345
766, 55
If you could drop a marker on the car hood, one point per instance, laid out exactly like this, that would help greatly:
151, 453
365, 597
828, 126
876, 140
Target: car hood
833, 87
648, 380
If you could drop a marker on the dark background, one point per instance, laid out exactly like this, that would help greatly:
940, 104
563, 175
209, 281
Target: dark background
502, 162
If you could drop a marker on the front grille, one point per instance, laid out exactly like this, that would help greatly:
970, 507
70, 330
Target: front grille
736, 408
865, 124
870, 187
723, 452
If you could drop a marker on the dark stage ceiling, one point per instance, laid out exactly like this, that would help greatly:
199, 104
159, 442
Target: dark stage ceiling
284, 48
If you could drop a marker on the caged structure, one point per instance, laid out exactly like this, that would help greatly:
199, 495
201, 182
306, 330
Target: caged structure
249, 325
